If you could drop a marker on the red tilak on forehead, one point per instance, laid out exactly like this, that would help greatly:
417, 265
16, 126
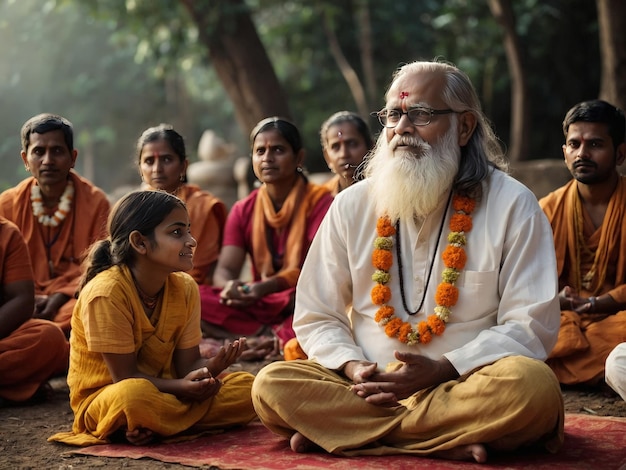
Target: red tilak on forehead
403, 94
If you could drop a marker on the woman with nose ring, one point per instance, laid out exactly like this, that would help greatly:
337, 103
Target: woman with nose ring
273, 227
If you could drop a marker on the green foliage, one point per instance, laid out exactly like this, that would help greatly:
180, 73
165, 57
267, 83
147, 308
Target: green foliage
115, 67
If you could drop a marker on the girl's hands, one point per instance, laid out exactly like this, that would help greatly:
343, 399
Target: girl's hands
227, 355
199, 385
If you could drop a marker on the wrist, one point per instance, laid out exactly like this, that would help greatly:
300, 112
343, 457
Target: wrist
593, 301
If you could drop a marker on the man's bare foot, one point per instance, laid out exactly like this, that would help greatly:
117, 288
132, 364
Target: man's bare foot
301, 444
139, 436
476, 452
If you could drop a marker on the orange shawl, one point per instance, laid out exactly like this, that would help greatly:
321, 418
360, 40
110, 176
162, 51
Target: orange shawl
292, 216
562, 206
85, 224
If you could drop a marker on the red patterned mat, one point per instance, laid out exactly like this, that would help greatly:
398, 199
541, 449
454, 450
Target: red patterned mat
591, 443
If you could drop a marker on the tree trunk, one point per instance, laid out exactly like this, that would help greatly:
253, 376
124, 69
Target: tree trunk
520, 107
612, 26
349, 75
363, 19
239, 59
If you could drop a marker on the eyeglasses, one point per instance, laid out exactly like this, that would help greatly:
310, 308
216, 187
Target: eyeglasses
418, 116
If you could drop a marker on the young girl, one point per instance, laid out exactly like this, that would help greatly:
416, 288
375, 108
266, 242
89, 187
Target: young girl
135, 366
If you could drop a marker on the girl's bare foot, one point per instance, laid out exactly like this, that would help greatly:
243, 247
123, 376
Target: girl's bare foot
301, 444
475, 452
139, 436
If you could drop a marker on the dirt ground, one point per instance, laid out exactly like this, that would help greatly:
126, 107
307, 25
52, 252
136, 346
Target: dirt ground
24, 429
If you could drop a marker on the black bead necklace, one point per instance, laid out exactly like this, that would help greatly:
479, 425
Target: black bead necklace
432, 263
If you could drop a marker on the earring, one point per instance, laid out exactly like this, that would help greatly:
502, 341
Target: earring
182, 178
299, 169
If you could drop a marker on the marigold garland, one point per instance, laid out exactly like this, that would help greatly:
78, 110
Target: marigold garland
447, 294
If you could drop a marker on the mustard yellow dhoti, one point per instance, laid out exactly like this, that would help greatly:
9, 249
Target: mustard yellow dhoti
512, 403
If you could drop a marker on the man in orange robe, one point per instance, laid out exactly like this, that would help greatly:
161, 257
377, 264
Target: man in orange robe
31, 350
59, 213
588, 218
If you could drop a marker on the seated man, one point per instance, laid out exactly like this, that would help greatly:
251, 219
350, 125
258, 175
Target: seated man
31, 351
59, 214
427, 303
588, 217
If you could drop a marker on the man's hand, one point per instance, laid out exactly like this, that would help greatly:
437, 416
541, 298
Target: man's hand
415, 373
359, 371
47, 306
570, 300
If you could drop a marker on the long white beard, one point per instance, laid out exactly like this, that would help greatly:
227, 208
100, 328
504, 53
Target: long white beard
405, 185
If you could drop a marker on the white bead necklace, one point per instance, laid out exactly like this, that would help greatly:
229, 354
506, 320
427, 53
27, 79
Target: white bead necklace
65, 204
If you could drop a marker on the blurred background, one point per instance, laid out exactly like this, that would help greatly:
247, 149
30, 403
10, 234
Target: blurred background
116, 67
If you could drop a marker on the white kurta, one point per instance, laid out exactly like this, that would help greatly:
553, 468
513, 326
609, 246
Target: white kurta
508, 290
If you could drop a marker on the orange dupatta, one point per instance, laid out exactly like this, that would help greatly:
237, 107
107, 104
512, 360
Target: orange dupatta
292, 216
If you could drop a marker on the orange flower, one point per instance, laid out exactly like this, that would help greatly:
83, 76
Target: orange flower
384, 312
465, 204
454, 257
384, 227
424, 332
460, 223
382, 259
392, 328
446, 295
380, 294
405, 330
436, 325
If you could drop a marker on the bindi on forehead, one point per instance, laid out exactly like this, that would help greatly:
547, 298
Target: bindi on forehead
403, 96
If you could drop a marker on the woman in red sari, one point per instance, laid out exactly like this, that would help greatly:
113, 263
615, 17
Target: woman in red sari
274, 227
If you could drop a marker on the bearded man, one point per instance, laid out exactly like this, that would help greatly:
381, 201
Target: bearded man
427, 304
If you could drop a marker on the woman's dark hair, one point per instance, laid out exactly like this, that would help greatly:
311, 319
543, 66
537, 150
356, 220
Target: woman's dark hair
346, 116
139, 210
162, 132
286, 128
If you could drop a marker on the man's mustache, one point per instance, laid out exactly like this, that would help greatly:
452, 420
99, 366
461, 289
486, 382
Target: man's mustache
410, 141
579, 163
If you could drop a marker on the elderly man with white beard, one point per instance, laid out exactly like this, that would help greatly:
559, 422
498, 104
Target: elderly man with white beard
428, 300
